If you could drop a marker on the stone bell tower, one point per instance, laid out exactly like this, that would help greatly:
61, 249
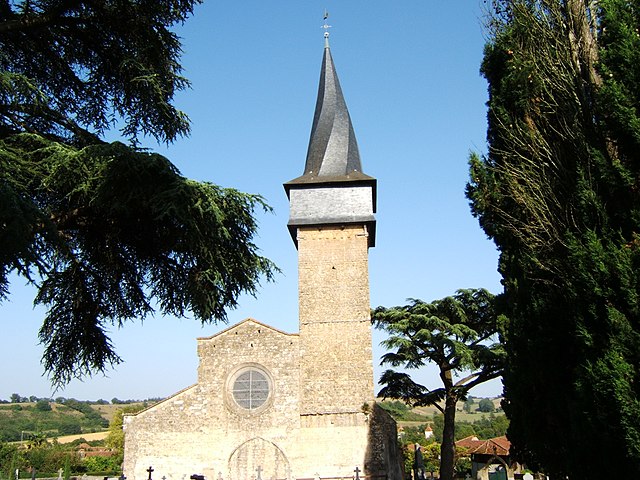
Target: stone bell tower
332, 223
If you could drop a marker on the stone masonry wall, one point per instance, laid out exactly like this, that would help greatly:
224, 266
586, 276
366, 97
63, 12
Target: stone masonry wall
335, 327
199, 429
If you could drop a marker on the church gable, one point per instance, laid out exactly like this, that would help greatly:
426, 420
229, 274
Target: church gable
248, 342
247, 371
245, 325
254, 366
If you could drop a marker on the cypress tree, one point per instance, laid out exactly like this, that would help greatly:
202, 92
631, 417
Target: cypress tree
558, 193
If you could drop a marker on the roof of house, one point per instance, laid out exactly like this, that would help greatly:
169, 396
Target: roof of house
494, 446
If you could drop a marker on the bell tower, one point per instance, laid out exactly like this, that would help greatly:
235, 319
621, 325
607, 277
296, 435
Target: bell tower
270, 404
332, 223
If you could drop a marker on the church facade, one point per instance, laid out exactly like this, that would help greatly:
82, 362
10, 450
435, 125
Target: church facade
274, 405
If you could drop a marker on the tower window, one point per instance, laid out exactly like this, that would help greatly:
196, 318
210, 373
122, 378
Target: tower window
251, 388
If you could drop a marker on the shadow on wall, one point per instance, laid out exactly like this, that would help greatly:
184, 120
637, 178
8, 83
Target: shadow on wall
383, 458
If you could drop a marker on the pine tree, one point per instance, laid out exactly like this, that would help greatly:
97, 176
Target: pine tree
558, 193
107, 231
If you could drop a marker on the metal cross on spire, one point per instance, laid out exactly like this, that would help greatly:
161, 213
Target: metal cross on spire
326, 27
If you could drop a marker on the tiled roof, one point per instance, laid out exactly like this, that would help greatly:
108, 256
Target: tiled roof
494, 446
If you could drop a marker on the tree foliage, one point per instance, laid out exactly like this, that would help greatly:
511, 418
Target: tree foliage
108, 233
98, 464
558, 193
457, 334
71, 68
115, 438
43, 405
486, 406
8, 459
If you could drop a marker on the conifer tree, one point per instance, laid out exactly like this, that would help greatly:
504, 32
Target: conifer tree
107, 232
558, 193
458, 335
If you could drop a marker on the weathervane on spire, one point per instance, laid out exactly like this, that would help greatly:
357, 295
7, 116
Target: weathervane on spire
326, 28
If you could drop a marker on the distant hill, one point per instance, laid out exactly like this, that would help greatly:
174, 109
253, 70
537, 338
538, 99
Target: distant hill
21, 421
65, 419
108, 411
420, 415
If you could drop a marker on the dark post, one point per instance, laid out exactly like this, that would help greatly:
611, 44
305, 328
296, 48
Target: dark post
418, 464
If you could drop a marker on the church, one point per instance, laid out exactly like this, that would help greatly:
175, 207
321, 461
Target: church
271, 405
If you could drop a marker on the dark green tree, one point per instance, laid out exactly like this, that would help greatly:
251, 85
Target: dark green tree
106, 232
43, 405
70, 428
558, 193
464, 430
458, 335
67, 468
486, 406
491, 426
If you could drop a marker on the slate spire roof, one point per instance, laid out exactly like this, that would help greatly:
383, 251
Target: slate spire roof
333, 150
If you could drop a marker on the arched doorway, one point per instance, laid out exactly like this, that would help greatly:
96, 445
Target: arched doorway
258, 459
495, 469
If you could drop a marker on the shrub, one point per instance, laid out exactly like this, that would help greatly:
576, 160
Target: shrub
486, 406
43, 405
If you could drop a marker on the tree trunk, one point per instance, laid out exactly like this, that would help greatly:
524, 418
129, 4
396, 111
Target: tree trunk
448, 447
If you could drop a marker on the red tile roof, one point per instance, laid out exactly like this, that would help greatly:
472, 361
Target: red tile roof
494, 446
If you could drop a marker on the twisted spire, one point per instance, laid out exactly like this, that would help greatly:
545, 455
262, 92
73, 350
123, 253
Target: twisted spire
333, 150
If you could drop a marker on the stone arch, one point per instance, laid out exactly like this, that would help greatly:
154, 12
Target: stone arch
258, 458
483, 473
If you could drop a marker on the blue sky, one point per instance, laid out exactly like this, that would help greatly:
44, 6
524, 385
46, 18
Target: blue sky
409, 71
